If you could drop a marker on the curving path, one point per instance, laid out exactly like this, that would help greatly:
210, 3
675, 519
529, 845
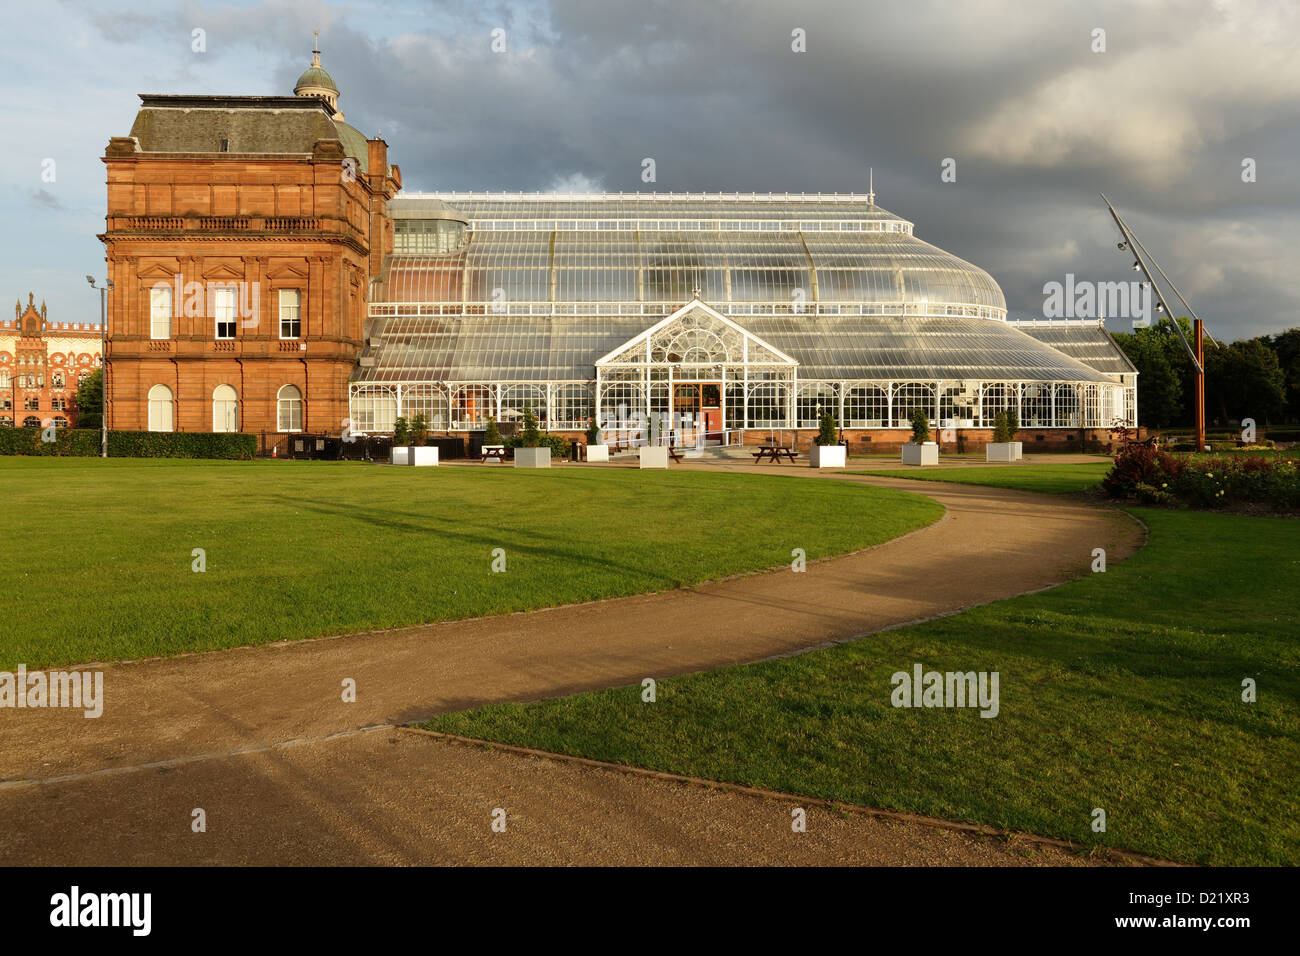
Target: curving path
261, 739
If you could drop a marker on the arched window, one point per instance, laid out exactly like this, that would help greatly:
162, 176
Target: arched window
428, 400
374, 408
161, 416
767, 404
60, 422
471, 405
225, 409
31, 421
866, 406
289, 409
814, 399
56, 380
515, 399
4, 378
911, 395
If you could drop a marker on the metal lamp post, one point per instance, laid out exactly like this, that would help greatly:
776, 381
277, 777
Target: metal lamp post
104, 290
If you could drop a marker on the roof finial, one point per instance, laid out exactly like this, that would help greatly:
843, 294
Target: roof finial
871, 187
315, 50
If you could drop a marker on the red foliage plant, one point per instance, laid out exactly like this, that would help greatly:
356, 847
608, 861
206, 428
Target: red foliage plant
1141, 464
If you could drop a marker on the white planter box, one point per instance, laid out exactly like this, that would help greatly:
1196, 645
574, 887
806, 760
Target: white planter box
532, 458
597, 453
1000, 451
654, 456
1018, 448
423, 455
401, 455
927, 454
827, 456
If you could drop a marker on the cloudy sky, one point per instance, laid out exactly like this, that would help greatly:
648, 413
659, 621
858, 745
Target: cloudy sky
1038, 123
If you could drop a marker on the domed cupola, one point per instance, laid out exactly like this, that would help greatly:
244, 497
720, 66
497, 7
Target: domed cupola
316, 82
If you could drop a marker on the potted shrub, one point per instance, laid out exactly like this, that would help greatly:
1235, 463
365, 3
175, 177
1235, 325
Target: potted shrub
826, 450
920, 450
1013, 426
421, 452
531, 453
401, 453
999, 449
492, 439
596, 449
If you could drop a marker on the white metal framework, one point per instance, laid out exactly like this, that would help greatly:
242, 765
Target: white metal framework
571, 305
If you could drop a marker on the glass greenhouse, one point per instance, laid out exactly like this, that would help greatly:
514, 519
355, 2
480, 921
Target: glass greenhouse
728, 312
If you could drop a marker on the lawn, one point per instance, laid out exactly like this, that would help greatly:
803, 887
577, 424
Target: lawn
98, 555
1120, 691
1053, 479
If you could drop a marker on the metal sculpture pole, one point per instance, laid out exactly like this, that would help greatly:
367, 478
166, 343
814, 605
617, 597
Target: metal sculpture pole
1195, 352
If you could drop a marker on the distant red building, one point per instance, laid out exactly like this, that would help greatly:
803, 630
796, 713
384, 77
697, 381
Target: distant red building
41, 365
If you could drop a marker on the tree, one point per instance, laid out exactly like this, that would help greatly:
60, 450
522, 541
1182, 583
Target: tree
826, 433
420, 429
1001, 430
532, 437
1286, 346
492, 434
920, 426
401, 433
1244, 380
1159, 384
90, 400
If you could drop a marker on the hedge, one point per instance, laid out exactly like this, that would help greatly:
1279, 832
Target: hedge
559, 445
85, 443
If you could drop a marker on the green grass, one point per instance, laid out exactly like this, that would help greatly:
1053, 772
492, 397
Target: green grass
1053, 479
1119, 690
97, 559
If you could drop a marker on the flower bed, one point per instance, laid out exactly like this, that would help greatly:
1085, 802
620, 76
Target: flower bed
1211, 480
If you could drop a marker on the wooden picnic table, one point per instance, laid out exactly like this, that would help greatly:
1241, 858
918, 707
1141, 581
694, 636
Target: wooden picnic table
773, 453
491, 452
674, 454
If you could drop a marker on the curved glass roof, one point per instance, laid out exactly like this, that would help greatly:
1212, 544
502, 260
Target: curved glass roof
522, 251
557, 348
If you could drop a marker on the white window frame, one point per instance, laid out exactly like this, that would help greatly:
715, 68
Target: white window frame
160, 312
158, 405
282, 402
297, 318
222, 407
223, 313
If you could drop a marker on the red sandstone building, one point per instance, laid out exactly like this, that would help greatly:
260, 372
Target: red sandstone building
241, 238
41, 365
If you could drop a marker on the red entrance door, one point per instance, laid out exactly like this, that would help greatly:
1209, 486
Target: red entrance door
711, 411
